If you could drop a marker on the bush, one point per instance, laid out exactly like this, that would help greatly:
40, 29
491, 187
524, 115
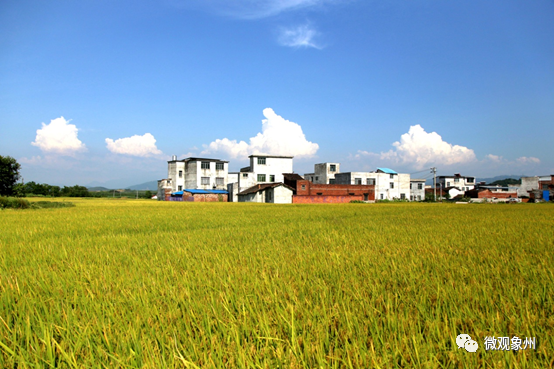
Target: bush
19, 203
51, 205
13, 203
357, 202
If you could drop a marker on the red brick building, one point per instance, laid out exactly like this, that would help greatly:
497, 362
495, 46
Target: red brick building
308, 192
485, 193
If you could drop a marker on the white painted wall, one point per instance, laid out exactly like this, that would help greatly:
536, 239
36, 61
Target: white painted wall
382, 181
281, 195
273, 166
462, 183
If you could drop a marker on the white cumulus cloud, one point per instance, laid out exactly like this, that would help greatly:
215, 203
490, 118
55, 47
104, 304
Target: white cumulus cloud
528, 160
143, 146
58, 137
278, 137
419, 149
494, 158
299, 36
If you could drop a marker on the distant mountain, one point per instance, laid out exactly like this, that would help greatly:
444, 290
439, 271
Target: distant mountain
429, 181
152, 186
499, 178
98, 188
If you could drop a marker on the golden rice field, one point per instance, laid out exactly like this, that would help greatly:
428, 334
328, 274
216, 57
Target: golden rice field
146, 284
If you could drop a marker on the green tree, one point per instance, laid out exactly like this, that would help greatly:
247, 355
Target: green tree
75, 191
9, 175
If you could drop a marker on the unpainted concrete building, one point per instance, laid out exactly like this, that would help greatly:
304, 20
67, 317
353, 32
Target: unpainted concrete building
417, 189
324, 173
197, 173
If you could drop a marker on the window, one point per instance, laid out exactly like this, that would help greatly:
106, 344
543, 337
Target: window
180, 174
410, 186
244, 175
370, 181
319, 193
456, 180
392, 176
332, 168
317, 178
418, 197
271, 178
411, 198
358, 181
392, 185
381, 196
261, 177
205, 180
366, 196
219, 166
261, 161
303, 187
220, 181
179, 188
447, 184
470, 180
420, 186
205, 165
331, 181
352, 194
403, 196
312, 179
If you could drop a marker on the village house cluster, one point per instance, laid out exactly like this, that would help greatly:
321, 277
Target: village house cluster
271, 179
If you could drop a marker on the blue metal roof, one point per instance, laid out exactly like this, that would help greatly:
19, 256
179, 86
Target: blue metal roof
387, 170
195, 191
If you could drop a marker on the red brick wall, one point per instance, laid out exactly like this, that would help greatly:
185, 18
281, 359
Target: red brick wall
488, 194
202, 197
313, 189
322, 199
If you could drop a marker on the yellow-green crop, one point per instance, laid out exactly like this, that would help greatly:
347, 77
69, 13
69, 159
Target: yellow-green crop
138, 283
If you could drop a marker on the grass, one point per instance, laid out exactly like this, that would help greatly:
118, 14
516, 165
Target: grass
139, 283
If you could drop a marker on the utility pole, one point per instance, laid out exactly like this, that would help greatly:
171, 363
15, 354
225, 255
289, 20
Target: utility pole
434, 171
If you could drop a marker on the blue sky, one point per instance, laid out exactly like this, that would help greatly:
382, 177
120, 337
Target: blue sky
106, 91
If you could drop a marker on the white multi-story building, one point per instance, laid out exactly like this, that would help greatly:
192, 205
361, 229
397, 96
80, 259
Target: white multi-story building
197, 173
462, 183
417, 189
262, 169
324, 173
389, 184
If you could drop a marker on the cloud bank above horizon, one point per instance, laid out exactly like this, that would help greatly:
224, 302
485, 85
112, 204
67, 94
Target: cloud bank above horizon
419, 149
278, 137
